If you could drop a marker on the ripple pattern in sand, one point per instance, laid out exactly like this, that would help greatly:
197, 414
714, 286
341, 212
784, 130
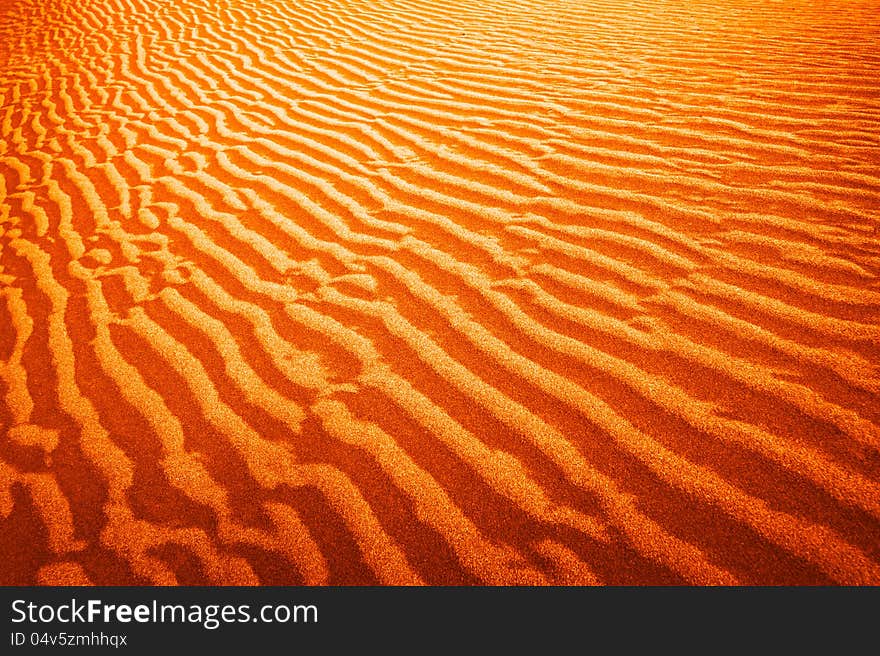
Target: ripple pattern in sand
418, 292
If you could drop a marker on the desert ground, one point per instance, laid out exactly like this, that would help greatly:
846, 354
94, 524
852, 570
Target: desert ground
407, 292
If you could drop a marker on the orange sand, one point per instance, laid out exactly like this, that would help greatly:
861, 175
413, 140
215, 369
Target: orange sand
409, 291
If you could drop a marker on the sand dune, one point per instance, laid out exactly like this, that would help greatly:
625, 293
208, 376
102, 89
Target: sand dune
418, 292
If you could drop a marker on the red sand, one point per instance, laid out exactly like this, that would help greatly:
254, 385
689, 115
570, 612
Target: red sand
406, 292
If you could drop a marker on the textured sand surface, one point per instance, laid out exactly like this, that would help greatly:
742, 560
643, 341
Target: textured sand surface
411, 291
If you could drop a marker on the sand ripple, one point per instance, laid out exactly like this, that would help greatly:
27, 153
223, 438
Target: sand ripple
406, 292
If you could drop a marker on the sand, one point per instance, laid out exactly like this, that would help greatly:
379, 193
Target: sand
420, 292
